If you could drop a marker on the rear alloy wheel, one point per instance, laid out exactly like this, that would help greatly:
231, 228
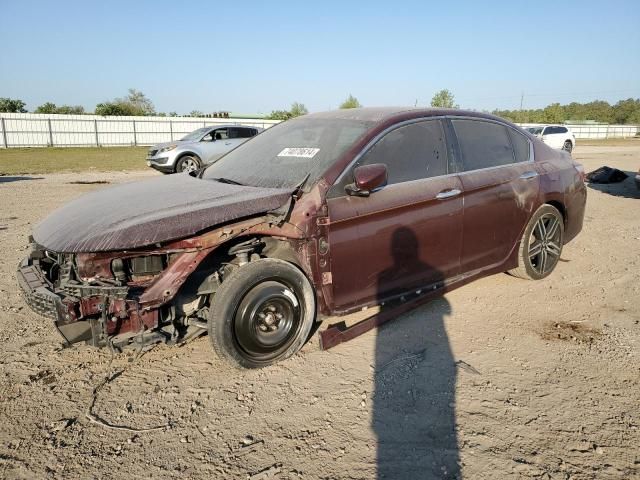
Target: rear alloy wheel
541, 245
262, 313
188, 163
567, 147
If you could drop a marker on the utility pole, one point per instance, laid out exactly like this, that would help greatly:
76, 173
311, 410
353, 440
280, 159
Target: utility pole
521, 100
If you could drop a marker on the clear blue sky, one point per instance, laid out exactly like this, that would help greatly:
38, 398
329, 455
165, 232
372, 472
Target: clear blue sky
250, 56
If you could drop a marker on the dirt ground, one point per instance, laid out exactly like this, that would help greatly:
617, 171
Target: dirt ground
503, 378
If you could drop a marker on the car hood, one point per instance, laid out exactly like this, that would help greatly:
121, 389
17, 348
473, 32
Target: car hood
158, 146
147, 212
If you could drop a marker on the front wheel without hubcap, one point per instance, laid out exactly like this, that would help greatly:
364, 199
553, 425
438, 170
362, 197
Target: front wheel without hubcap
541, 244
261, 314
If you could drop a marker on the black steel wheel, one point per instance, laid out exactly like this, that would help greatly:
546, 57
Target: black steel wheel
568, 146
262, 313
187, 164
541, 244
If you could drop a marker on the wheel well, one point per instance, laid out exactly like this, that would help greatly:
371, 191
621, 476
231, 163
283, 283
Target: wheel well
561, 209
184, 154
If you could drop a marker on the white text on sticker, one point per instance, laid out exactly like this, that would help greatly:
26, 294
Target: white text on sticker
300, 152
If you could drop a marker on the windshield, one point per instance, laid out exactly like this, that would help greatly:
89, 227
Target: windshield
283, 155
535, 130
196, 134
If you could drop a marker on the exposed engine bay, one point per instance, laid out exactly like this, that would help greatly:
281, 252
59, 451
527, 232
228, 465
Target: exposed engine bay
134, 298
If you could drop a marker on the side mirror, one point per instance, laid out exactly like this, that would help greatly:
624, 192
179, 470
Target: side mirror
367, 178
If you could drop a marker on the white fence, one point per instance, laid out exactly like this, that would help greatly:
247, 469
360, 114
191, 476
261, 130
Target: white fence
44, 130
596, 131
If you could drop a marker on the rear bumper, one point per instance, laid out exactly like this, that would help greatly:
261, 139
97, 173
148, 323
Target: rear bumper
42, 299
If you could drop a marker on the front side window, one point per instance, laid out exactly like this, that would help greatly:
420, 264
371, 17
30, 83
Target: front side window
221, 134
483, 144
411, 152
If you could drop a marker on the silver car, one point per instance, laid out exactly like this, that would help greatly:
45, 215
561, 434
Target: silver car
199, 148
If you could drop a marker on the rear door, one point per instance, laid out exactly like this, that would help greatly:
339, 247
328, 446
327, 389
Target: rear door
500, 184
407, 234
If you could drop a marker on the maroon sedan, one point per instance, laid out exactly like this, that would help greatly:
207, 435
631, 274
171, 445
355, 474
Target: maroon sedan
321, 215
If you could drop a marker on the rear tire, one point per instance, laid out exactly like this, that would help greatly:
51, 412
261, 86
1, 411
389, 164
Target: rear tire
261, 314
541, 244
188, 163
568, 146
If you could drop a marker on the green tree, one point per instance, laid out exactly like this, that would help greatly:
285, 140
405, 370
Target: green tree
279, 115
47, 107
134, 104
553, 113
50, 107
140, 102
173, 114
298, 109
350, 102
196, 113
443, 99
10, 105
116, 108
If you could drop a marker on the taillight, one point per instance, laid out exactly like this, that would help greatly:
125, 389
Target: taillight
580, 169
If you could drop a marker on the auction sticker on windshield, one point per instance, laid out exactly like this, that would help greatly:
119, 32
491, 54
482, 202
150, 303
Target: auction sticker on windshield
299, 152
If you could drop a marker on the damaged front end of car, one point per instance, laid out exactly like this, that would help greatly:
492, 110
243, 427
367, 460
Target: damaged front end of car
144, 296
109, 298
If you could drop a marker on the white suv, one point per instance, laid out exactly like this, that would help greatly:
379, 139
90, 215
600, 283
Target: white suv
556, 136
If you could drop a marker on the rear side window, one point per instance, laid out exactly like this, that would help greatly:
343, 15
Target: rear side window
520, 146
483, 144
550, 131
561, 130
412, 152
241, 132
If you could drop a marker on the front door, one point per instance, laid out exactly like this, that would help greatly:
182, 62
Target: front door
408, 234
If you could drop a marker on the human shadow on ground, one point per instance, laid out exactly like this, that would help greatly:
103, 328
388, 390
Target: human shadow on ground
415, 379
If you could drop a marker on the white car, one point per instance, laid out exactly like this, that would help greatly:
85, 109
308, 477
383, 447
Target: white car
556, 136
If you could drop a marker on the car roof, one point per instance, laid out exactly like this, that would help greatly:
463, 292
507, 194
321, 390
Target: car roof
386, 114
227, 125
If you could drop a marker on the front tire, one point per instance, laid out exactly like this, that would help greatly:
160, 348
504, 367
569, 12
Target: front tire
541, 244
188, 163
261, 314
568, 146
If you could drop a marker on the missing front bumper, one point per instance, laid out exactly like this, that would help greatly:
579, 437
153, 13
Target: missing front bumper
39, 295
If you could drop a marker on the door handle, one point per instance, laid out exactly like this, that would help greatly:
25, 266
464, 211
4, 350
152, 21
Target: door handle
528, 175
453, 192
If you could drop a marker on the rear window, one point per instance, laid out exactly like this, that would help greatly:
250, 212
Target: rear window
520, 146
241, 132
483, 144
